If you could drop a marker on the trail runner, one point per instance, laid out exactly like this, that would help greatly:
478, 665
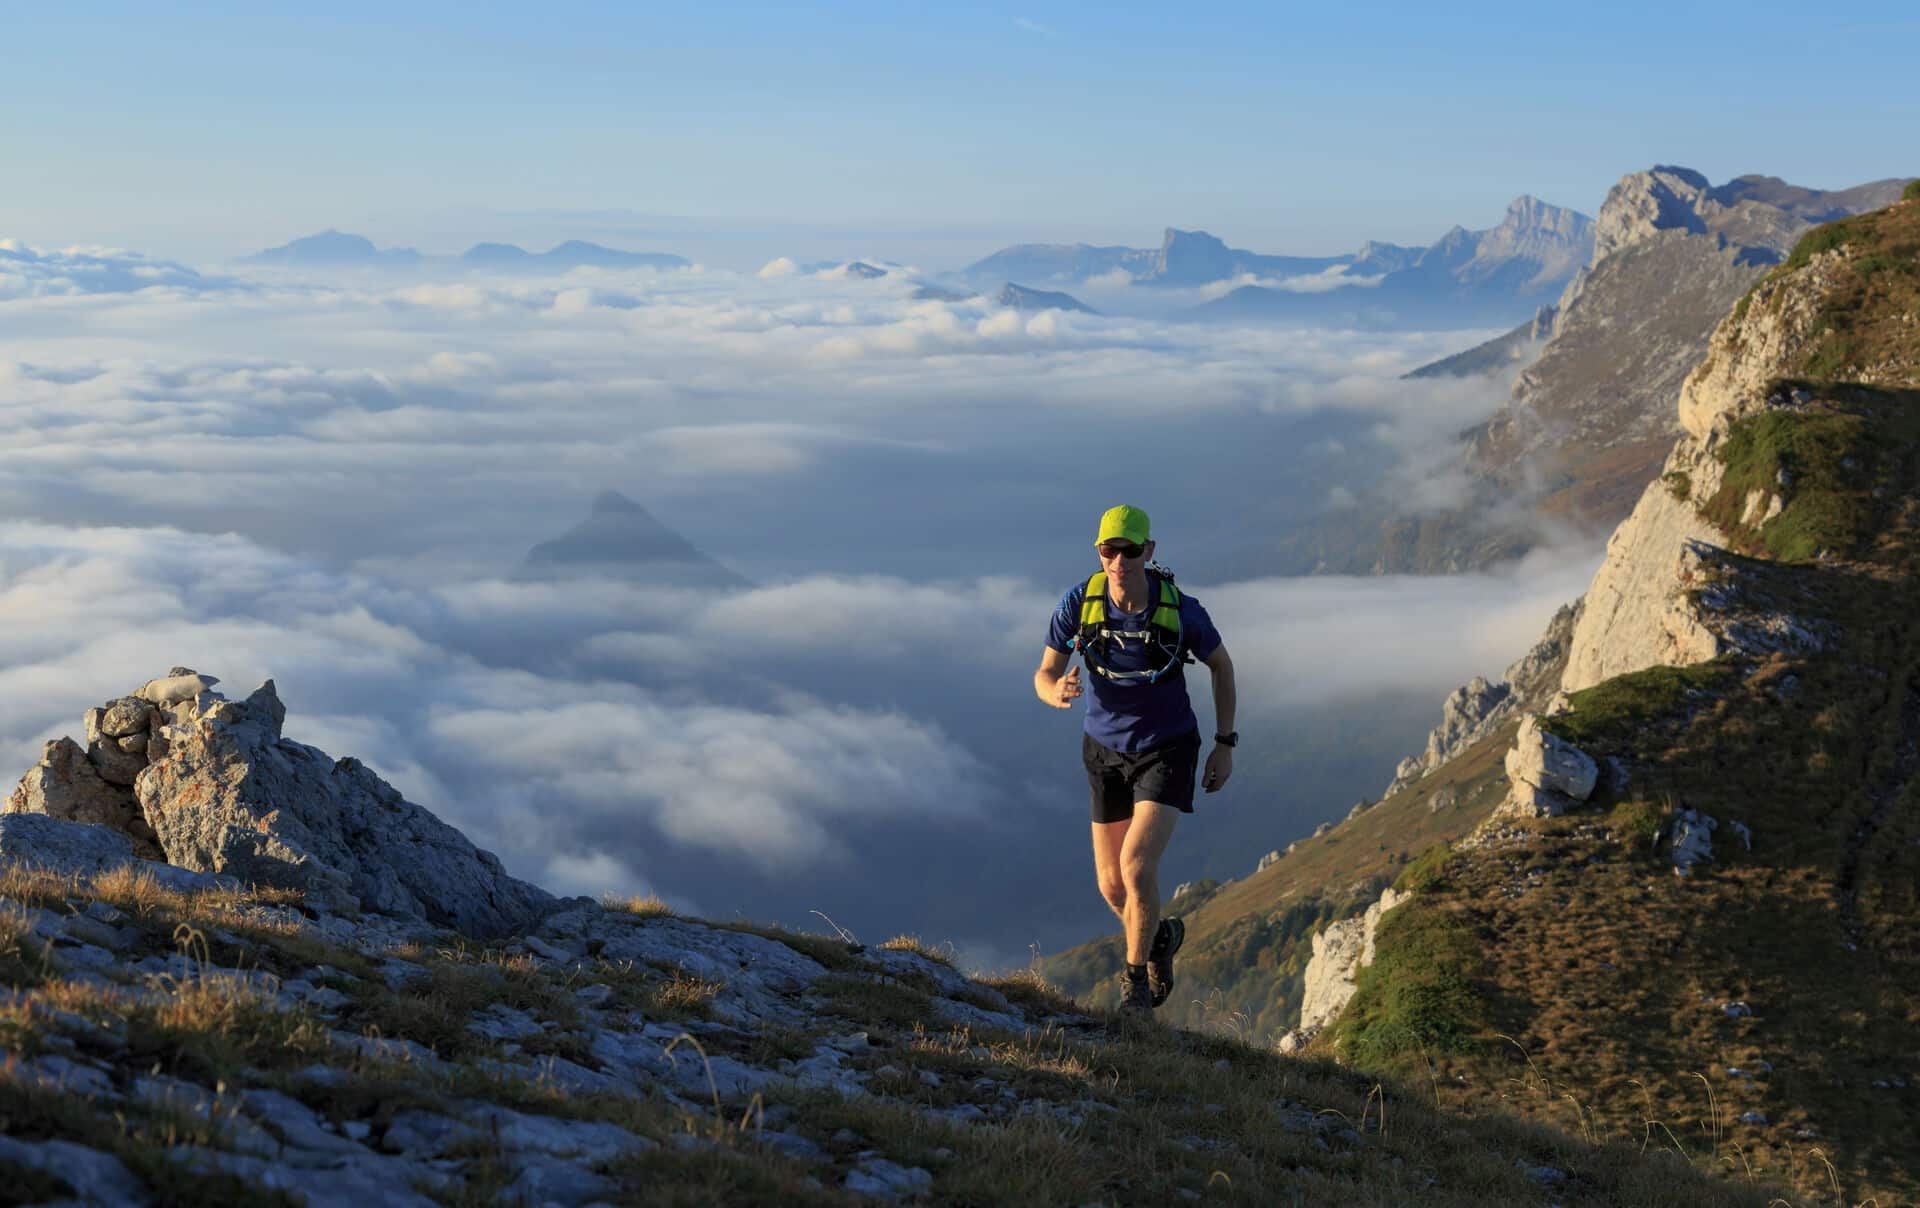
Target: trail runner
1135, 630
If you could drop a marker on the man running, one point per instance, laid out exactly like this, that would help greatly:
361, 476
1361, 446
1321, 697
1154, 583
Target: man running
1135, 630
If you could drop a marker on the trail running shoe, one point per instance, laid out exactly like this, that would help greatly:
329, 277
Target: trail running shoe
1166, 941
1136, 996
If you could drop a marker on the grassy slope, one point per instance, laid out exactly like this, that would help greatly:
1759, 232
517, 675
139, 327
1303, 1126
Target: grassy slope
1169, 1116
1604, 980
1249, 940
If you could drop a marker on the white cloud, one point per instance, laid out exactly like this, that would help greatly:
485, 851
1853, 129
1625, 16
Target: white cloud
30, 272
780, 266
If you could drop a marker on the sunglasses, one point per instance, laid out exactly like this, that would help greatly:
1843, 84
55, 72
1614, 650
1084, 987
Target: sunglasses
1125, 551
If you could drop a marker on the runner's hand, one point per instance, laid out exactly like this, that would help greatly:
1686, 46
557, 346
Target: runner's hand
1219, 768
1067, 687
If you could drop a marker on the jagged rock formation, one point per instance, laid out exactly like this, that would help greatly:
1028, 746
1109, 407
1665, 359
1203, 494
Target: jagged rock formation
1477, 708
210, 785
1644, 607
1747, 653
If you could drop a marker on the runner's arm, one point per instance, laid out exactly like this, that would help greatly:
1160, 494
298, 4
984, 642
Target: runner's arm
1050, 685
1225, 702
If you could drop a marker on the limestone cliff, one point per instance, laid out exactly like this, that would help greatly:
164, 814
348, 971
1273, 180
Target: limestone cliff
1591, 418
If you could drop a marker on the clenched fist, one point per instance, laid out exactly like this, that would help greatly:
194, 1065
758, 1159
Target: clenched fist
1066, 688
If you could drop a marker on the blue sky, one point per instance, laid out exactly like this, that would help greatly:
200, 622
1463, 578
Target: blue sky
929, 129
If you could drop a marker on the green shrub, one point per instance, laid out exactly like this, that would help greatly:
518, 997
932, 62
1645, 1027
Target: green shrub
1421, 993
1829, 461
1636, 822
1424, 875
1740, 307
1826, 238
1623, 703
1912, 191
1679, 484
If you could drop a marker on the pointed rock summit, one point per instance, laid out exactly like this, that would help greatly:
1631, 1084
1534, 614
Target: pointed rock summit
183, 776
621, 539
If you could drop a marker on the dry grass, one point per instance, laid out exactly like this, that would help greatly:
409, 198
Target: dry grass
652, 906
943, 953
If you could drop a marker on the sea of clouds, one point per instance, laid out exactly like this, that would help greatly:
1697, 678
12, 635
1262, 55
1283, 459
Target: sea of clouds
331, 483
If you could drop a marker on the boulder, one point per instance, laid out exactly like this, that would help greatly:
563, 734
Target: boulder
66, 785
1543, 760
179, 685
87, 850
215, 788
1692, 840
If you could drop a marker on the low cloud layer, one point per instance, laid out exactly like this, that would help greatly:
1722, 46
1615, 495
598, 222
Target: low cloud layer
30, 272
330, 483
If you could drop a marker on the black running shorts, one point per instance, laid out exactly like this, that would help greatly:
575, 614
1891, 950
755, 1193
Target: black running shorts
1164, 774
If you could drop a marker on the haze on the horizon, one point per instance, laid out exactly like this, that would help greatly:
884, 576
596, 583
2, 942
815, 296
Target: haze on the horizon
332, 479
737, 132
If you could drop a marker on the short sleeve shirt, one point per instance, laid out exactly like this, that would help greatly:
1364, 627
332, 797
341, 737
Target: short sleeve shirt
1130, 716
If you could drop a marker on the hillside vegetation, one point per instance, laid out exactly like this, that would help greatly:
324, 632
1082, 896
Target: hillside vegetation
1770, 1001
224, 1046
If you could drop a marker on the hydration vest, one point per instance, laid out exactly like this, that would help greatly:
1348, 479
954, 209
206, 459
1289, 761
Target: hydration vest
1165, 638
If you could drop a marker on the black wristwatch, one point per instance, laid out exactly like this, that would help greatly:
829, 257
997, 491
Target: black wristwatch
1227, 740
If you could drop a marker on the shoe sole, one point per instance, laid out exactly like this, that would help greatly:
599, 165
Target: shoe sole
1175, 932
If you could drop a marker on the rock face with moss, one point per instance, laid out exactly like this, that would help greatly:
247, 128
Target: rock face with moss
1759, 457
210, 785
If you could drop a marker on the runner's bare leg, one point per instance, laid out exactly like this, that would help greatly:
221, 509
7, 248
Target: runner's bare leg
1146, 842
1108, 840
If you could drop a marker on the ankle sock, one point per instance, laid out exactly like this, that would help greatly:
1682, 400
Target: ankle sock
1136, 972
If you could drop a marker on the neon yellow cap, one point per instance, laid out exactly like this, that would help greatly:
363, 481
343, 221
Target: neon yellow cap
1123, 523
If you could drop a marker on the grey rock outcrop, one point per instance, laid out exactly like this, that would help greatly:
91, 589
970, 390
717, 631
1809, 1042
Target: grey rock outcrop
86, 850
1645, 606
1340, 950
1692, 840
1477, 708
215, 788
1547, 775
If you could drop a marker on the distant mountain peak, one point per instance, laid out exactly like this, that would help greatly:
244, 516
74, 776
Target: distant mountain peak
1020, 297
620, 539
611, 502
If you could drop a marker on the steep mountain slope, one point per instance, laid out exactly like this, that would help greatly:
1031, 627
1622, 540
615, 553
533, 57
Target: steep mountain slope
1746, 670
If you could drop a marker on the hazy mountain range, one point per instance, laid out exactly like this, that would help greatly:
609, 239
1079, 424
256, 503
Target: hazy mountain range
337, 249
1464, 277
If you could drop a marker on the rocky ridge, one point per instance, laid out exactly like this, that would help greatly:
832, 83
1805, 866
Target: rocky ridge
192, 779
175, 1035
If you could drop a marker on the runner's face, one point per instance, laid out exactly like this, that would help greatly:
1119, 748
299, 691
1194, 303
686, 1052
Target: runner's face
1120, 557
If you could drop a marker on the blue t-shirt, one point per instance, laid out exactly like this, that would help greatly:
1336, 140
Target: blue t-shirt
1133, 715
